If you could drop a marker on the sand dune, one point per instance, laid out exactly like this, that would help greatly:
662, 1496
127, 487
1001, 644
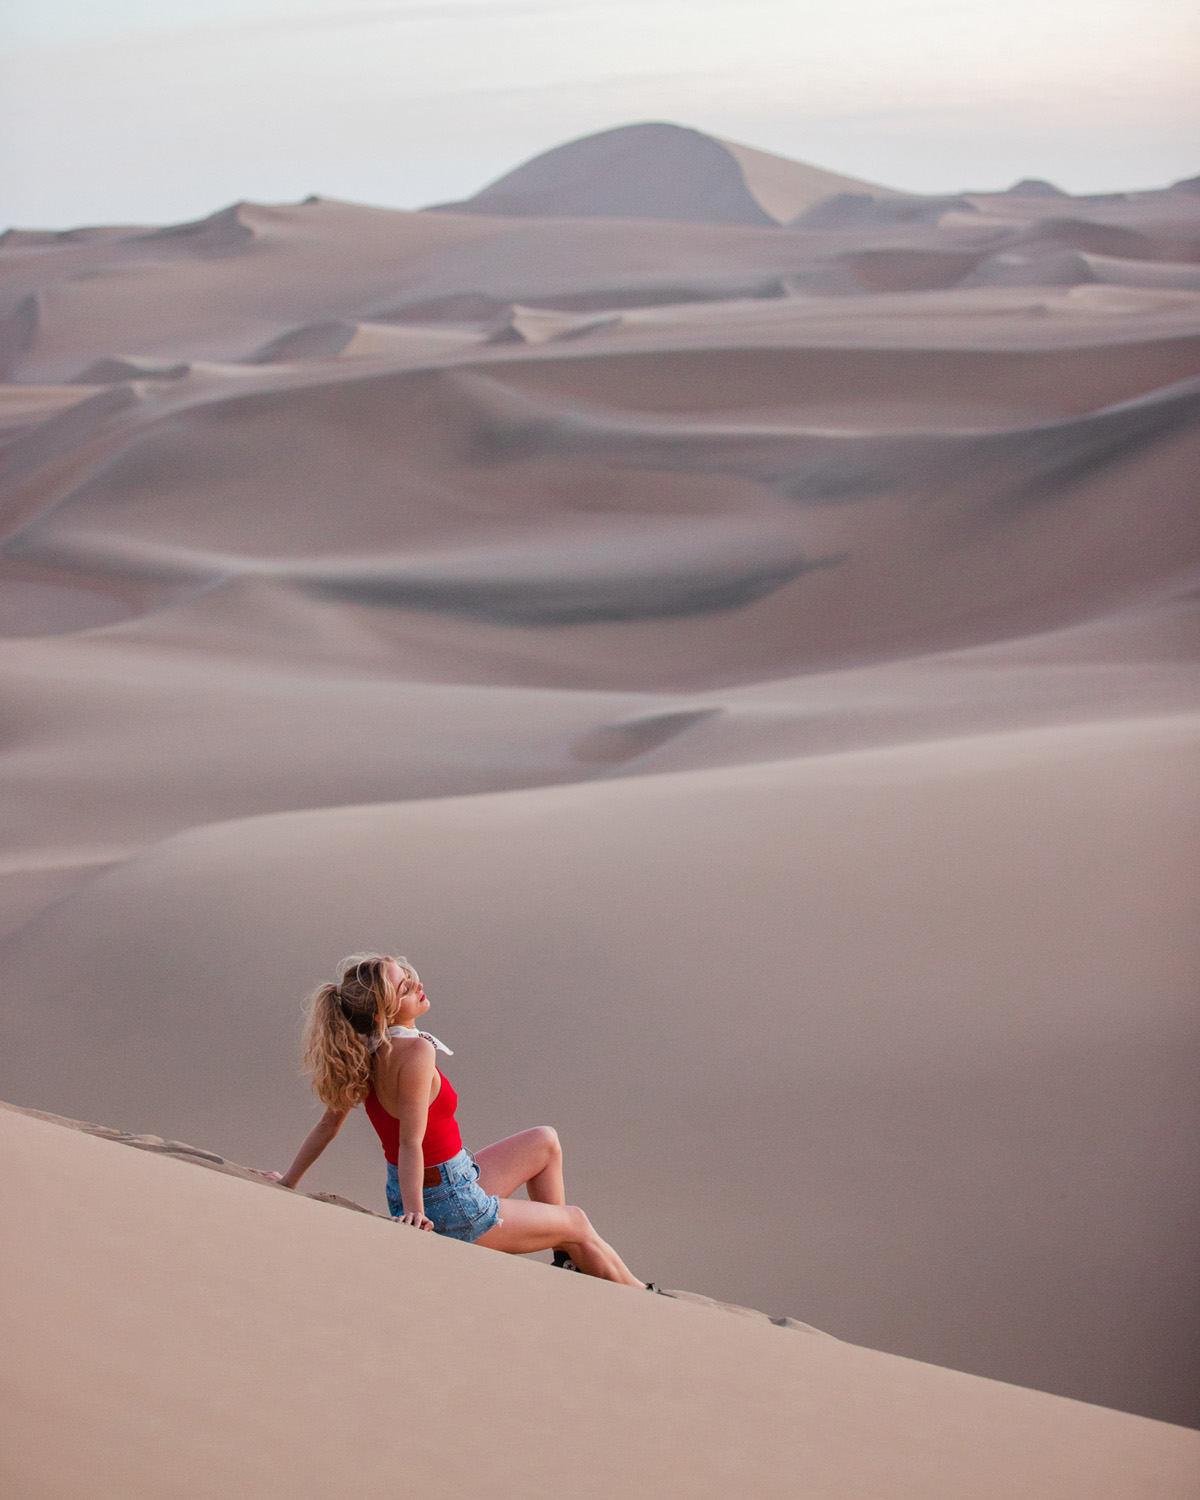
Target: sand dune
512, 515
165, 1356
938, 1099
660, 171
747, 654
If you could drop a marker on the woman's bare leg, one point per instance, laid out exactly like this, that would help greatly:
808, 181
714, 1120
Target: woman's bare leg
551, 1226
532, 1159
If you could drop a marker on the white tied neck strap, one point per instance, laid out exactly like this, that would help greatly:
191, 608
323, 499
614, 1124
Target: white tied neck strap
410, 1031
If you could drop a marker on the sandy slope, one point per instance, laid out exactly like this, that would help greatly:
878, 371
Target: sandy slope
196, 1334
752, 669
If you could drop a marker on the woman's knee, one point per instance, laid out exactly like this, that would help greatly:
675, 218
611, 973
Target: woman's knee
579, 1226
547, 1139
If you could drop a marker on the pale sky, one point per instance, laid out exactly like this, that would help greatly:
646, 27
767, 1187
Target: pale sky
151, 111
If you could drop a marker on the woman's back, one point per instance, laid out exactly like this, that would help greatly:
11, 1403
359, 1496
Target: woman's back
442, 1139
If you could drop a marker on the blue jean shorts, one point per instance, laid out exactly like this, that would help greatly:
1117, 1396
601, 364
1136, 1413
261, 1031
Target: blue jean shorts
458, 1206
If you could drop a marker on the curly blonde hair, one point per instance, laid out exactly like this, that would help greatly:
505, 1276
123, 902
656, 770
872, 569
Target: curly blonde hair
345, 1022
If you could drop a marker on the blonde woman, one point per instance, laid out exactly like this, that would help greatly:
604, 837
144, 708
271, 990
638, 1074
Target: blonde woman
361, 1046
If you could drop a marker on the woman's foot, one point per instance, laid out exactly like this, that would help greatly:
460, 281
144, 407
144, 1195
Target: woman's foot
564, 1262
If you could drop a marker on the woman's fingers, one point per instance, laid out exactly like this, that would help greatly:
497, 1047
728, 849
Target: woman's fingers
418, 1221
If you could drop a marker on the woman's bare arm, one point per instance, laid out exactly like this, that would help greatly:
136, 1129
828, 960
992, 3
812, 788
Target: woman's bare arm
314, 1143
403, 1080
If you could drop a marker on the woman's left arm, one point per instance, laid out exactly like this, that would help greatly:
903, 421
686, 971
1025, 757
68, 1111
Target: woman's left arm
314, 1143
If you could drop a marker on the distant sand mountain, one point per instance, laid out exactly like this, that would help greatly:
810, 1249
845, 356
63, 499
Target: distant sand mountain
660, 171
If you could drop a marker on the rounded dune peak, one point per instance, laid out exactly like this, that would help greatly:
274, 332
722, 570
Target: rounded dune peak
225, 230
657, 170
1036, 187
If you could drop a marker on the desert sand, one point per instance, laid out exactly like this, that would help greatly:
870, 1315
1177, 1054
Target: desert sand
746, 654
239, 1358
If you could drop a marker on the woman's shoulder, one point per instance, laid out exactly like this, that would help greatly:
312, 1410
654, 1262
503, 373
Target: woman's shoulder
403, 1053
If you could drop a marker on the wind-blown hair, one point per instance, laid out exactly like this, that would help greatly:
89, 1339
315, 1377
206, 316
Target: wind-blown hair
344, 1024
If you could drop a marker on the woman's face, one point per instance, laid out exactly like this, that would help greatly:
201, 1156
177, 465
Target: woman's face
411, 1000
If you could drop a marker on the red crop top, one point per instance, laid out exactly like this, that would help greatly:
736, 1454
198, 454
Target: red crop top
442, 1140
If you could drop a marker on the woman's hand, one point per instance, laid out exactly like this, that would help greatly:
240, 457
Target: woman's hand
418, 1221
314, 1143
270, 1176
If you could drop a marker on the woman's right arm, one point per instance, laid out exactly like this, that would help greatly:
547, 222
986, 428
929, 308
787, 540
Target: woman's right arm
314, 1143
405, 1094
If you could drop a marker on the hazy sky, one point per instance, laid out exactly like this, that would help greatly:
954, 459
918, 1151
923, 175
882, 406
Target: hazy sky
156, 110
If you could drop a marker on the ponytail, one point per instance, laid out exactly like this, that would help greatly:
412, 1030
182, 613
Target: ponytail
344, 1024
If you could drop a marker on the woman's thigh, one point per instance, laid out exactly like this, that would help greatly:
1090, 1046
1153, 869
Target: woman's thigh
505, 1166
532, 1226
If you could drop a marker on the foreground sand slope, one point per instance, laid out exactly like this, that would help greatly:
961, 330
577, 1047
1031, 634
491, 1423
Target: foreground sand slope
196, 1335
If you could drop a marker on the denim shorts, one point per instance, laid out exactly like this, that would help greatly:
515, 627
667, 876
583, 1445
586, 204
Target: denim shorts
458, 1206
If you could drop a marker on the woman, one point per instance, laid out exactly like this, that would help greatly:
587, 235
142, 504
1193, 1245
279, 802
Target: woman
361, 1046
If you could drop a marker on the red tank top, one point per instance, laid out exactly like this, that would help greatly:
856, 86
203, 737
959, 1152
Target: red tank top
442, 1140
